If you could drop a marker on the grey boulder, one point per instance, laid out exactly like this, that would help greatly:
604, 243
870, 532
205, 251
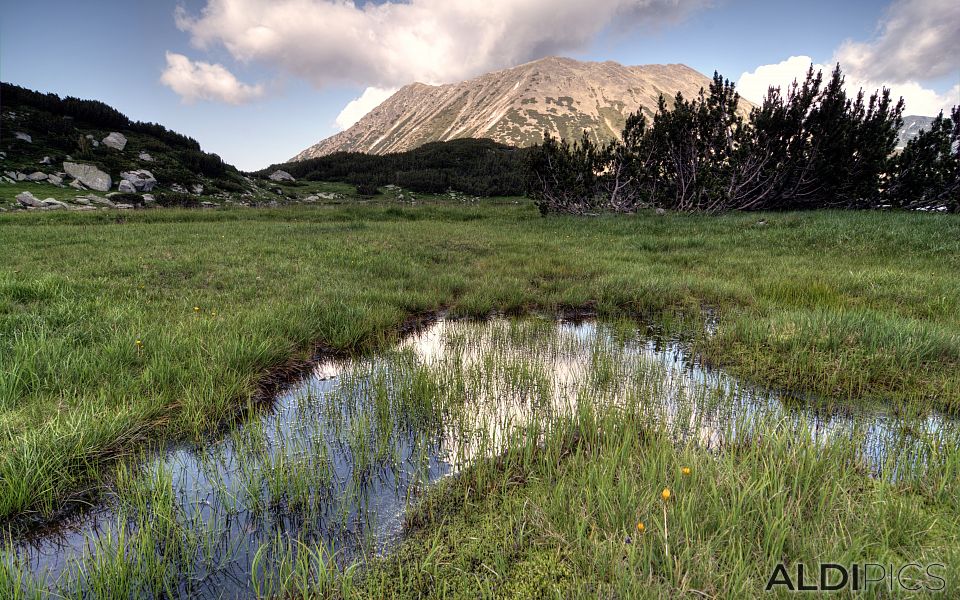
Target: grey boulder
141, 179
115, 140
145, 157
27, 199
279, 175
54, 179
126, 187
23, 136
89, 176
37, 176
52, 204
98, 200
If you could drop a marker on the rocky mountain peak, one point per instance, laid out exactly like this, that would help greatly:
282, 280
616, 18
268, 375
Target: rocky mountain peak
514, 106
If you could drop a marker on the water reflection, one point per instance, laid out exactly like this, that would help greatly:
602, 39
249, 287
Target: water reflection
343, 453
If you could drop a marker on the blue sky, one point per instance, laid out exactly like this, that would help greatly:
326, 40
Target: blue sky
259, 80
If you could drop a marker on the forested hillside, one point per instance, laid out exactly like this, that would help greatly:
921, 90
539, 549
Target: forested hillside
41, 132
473, 166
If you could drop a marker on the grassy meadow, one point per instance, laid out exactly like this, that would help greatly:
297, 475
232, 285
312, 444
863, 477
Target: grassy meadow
121, 329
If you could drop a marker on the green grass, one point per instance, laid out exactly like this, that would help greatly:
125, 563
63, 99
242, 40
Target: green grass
42, 190
865, 305
567, 437
561, 521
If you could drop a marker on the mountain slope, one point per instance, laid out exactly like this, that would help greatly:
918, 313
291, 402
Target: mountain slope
514, 106
912, 125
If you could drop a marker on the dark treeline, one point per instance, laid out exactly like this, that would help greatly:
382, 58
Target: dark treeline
479, 167
813, 147
90, 112
57, 119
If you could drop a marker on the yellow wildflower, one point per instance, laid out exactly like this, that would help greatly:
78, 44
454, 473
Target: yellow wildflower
685, 470
665, 494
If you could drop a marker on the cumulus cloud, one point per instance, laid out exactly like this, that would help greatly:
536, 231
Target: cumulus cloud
753, 85
394, 43
917, 40
196, 80
918, 100
358, 107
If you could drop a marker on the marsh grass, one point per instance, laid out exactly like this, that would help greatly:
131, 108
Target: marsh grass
838, 304
562, 439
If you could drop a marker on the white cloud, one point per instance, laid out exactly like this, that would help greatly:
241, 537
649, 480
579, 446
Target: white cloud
917, 40
918, 100
754, 85
195, 80
394, 43
358, 107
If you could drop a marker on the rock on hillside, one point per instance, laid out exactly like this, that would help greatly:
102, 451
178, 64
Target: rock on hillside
89, 175
115, 140
514, 106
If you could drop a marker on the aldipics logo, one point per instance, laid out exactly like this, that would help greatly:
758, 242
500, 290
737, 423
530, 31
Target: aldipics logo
832, 577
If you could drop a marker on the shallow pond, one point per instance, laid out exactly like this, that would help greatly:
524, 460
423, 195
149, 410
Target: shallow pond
339, 456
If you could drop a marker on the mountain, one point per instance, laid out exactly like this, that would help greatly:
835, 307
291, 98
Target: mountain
912, 124
514, 106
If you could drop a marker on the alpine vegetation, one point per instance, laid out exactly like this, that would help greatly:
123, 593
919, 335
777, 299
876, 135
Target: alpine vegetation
811, 147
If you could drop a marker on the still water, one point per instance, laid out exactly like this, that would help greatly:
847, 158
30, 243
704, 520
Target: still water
339, 456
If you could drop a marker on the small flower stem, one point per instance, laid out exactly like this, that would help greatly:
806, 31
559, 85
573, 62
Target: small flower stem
666, 540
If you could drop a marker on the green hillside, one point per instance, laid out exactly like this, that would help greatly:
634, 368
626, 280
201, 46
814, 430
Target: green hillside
41, 132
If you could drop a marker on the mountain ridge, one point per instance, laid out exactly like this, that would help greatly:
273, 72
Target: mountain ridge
514, 106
